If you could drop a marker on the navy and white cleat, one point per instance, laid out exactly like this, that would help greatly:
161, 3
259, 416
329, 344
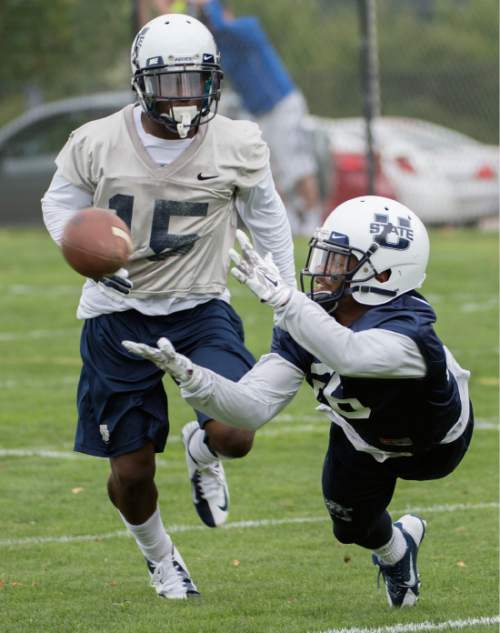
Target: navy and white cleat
170, 578
208, 484
402, 580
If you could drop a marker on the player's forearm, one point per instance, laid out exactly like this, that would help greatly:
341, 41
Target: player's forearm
227, 402
249, 403
264, 213
60, 202
370, 353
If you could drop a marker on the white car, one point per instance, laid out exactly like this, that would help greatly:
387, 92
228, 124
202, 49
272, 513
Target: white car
444, 176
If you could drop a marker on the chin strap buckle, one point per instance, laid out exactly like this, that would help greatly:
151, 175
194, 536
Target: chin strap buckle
184, 125
184, 116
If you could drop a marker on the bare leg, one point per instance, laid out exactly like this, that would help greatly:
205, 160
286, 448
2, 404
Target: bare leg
131, 485
228, 441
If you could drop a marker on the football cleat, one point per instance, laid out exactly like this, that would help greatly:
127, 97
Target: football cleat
208, 484
170, 578
402, 581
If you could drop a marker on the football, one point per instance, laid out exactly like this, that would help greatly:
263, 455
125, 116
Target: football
96, 242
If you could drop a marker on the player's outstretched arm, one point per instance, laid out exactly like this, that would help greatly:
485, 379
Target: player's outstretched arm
260, 274
248, 404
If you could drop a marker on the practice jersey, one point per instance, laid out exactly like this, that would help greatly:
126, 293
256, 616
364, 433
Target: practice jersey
400, 414
182, 216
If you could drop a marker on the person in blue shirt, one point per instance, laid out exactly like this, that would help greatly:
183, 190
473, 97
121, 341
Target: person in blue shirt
363, 338
270, 96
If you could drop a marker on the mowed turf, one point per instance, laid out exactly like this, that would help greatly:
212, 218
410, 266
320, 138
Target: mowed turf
66, 564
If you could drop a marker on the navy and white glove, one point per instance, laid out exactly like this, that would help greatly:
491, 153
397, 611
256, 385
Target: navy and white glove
260, 274
165, 357
119, 282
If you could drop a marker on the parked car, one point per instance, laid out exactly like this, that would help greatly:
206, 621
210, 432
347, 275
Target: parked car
30, 143
444, 176
349, 171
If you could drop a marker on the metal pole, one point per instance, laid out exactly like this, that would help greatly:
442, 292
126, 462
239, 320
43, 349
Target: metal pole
141, 10
135, 17
370, 85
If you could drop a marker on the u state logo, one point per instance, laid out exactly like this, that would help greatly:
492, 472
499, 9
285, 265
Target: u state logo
389, 235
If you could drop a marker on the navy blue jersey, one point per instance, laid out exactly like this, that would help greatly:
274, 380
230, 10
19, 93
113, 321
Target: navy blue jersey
391, 414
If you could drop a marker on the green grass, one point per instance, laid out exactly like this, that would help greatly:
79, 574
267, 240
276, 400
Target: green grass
286, 577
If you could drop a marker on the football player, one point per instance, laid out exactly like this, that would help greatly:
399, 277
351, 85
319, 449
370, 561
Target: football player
178, 174
363, 338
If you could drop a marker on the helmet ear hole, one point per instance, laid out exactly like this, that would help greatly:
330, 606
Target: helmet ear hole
385, 275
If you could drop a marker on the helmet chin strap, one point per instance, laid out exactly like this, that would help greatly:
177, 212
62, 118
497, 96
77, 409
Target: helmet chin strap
184, 115
370, 289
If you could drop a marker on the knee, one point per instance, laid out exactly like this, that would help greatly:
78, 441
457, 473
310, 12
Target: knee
229, 441
347, 528
130, 474
132, 478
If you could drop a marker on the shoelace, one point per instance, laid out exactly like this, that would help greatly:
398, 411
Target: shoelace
211, 480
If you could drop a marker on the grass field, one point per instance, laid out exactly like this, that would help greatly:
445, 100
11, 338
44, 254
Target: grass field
67, 566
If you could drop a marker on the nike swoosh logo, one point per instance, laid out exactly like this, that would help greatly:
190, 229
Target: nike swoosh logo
273, 281
202, 177
223, 507
413, 579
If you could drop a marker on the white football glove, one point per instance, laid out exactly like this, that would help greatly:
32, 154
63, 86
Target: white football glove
165, 357
260, 274
116, 283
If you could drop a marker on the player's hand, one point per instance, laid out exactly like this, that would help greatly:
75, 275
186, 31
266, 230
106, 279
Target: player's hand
260, 274
119, 282
164, 356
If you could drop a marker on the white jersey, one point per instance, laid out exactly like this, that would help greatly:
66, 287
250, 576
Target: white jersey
182, 216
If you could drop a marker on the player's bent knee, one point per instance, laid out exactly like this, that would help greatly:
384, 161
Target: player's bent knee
229, 441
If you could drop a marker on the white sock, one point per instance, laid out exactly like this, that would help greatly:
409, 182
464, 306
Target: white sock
199, 450
151, 537
394, 550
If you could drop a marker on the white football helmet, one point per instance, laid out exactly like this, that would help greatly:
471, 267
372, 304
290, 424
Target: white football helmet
175, 61
382, 235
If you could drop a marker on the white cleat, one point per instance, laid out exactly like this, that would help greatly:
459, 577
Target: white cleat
208, 484
402, 580
170, 578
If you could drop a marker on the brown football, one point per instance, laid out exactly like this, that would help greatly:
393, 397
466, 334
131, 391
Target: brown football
96, 242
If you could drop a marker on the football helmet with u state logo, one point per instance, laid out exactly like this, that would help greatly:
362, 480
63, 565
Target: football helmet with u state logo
361, 239
176, 72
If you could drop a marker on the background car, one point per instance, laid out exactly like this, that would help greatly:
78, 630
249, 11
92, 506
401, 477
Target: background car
348, 170
444, 176
30, 143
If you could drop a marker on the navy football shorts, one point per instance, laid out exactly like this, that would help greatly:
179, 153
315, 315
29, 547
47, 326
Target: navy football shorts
122, 402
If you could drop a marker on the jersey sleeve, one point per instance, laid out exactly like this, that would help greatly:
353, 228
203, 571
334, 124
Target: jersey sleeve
374, 352
252, 401
252, 155
263, 212
74, 162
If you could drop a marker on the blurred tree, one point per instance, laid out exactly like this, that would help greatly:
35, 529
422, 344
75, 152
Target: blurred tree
443, 68
63, 47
